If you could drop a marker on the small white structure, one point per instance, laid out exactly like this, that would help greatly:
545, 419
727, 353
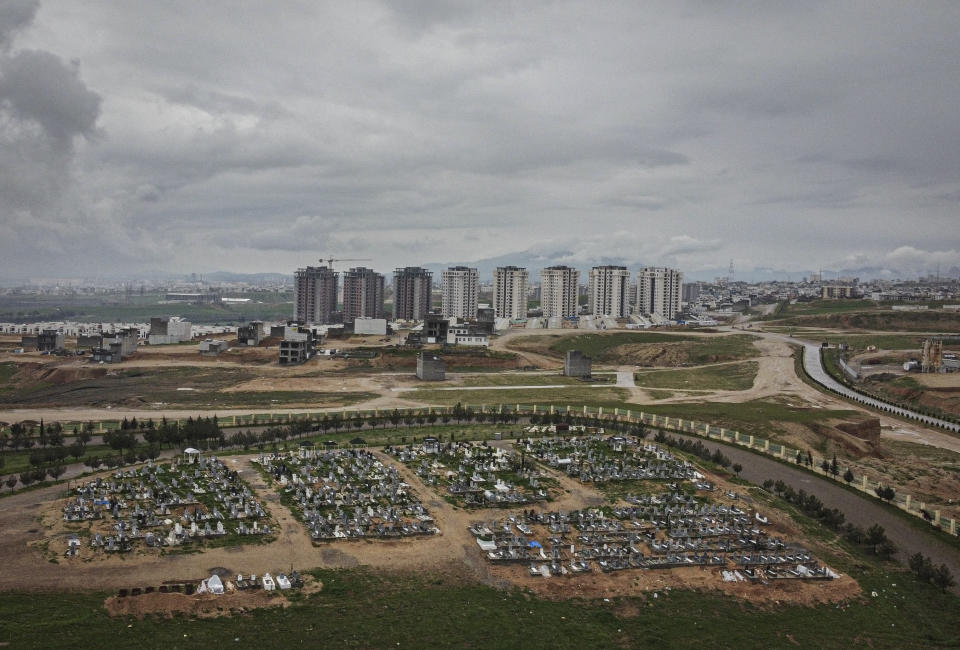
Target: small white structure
268, 583
375, 326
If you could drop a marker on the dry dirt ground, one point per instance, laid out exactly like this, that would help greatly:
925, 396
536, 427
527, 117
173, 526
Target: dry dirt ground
34, 541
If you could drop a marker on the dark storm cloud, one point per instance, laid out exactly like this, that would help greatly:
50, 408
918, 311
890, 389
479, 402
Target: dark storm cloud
226, 135
15, 15
37, 86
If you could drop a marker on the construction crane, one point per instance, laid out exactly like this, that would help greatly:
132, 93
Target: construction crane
331, 260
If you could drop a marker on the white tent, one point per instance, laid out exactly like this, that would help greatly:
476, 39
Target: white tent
190, 451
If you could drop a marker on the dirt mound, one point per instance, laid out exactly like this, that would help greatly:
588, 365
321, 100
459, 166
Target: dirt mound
62, 375
867, 430
202, 605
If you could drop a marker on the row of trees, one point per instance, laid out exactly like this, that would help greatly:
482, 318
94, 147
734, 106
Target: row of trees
925, 571
874, 539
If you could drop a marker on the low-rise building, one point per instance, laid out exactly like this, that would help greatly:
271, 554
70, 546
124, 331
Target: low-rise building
165, 331
213, 347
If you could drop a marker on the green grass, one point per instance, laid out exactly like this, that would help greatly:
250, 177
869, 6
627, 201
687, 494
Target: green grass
7, 371
733, 376
623, 347
361, 608
560, 396
919, 321
817, 307
599, 346
261, 398
526, 380
659, 394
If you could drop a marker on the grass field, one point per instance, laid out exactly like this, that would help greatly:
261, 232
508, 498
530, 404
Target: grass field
528, 380
818, 307
894, 321
243, 399
644, 348
560, 396
599, 346
731, 376
427, 610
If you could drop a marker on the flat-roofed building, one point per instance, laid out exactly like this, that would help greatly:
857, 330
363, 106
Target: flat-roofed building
164, 331
510, 292
412, 287
609, 291
460, 293
659, 290
559, 291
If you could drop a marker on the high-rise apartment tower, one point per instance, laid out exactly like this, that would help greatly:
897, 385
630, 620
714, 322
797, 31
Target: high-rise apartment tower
460, 293
315, 295
659, 291
411, 293
559, 291
362, 294
510, 292
609, 291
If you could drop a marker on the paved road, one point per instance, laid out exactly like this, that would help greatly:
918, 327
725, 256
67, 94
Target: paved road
859, 509
813, 364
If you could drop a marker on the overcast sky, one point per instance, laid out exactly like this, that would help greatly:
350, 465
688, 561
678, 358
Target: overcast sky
258, 136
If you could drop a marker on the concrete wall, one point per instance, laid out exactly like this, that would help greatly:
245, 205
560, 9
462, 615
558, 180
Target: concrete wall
430, 367
577, 364
376, 326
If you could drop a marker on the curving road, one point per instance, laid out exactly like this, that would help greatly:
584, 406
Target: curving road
860, 510
813, 364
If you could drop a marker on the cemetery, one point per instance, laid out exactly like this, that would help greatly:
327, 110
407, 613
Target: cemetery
677, 524
346, 494
654, 534
599, 459
192, 500
476, 475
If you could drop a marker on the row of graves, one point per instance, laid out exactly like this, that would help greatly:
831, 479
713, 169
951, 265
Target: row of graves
600, 459
660, 532
346, 494
677, 524
476, 474
164, 505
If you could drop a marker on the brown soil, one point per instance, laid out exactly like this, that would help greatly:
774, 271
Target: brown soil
632, 583
196, 605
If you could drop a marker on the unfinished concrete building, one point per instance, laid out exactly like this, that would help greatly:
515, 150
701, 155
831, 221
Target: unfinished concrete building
251, 334
299, 345
412, 287
362, 294
169, 330
577, 364
213, 347
315, 295
430, 367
